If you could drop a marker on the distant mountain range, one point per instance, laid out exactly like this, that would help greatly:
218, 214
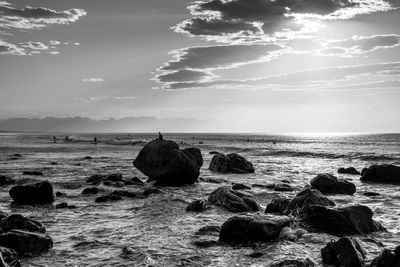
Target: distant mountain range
124, 125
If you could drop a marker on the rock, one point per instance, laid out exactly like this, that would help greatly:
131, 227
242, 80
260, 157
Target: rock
163, 161
238, 164
363, 171
219, 163
346, 252
124, 193
305, 198
350, 170
258, 185
291, 234
213, 152
5, 180
209, 230
113, 184
240, 187
111, 197
349, 220
386, 173
280, 187
60, 194
17, 221
136, 181
9, 258
71, 207
63, 205
88, 158
90, 191
198, 205
233, 200
26, 243
371, 194
214, 180
278, 205
252, 228
95, 179
53, 163
387, 258
307, 262
255, 255
150, 191
32, 173
114, 177
30, 194
328, 183
205, 243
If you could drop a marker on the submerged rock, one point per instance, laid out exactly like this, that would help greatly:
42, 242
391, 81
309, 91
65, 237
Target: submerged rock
163, 161
328, 183
30, 194
350, 170
386, 173
280, 187
252, 228
26, 243
209, 230
233, 200
18, 221
349, 220
240, 187
198, 205
346, 252
306, 198
90, 191
387, 258
9, 258
231, 163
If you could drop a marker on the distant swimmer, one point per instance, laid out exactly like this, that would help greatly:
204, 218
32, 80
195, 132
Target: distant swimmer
274, 142
54, 139
95, 140
160, 136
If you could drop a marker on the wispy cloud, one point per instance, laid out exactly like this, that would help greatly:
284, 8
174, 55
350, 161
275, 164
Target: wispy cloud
103, 98
92, 80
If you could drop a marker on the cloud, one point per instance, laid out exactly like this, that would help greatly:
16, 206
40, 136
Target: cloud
92, 80
103, 98
185, 75
10, 49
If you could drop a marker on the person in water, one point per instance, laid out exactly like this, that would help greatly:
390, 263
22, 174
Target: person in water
95, 140
54, 139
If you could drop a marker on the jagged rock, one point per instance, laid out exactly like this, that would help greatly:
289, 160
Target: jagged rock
346, 252
233, 200
240, 187
252, 228
328, 183
198, 205
350, 170
26, 243
18, 221
349, 220
163, 161
306, 198
387, 258
386, 173
30, 194
278, 205
9, 258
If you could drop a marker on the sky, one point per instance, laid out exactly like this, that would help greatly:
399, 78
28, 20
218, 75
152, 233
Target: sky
235, 65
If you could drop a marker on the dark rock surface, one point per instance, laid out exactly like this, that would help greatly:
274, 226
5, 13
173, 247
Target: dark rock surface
198, 205
163, 161
219, 163
26, 243
90, 191
278, 205
18, 221
252, 228
38, 173
388, 258
349, 170
233, 200
209, 230
307, 262
306, 198
328, 183
280, 187
9, 258
240, 187
150, 191
5, 180
386, 173
346, 252
231, 163
30, 194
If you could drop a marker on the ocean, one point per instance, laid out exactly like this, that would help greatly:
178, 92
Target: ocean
157, 230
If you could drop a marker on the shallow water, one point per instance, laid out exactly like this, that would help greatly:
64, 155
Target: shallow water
157, 228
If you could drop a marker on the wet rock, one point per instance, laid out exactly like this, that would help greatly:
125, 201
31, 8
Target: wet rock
114, 177
346, 252
63, 205
306, 198
255, 255
110, 197
90, 191
371, 194
233, 200
150, 191
71, 207
18, 221
209, 230
30, 194
307, 262
5, 180
252, 228
214, 180
328, 183
113, 184
240, 187
60, 194
350, 170
280, 187
238, 164
387, 258
135, 181
386, 173
95, 179
26, 243
213, 152
198, 205
206, 243
87, 158
278, 205
163, 161
219, 163
349, 220
9, 258
124, 193
258, 185
53, 163
32, 173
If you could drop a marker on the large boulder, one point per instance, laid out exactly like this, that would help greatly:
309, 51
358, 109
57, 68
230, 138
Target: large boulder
9, 258
253, 228
26, 243
387, 258
163, 161
233, 200
18, 221
346, 252
30, 194
328, 183
349, 170
349, 220
306, 198
386, 173
231, 163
